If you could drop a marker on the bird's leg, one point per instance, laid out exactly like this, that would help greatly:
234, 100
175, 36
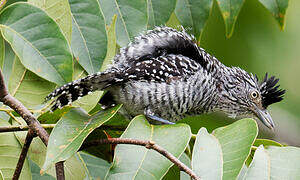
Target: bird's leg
149, 114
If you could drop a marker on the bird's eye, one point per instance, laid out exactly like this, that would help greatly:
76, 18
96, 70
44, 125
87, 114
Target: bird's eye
254, 94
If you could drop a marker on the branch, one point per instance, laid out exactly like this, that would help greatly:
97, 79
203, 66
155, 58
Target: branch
59, 168
51, 126
147, 144
31, 121
30, 135
23, 128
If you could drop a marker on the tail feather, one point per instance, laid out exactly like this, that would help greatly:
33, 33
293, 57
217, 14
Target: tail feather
72, 91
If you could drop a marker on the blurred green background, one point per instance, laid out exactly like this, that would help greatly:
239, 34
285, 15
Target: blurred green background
259, 46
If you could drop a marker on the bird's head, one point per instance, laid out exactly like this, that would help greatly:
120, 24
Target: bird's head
243, 95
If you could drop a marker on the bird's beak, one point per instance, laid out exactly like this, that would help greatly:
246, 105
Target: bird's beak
265, 117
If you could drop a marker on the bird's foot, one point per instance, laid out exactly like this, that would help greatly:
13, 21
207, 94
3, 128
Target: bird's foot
149, 114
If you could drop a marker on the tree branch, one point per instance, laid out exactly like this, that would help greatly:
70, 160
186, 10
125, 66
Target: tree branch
30, 135
147, 144
51, 126
59, 168
31, 121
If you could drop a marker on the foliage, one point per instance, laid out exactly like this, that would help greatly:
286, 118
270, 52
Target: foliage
45, 44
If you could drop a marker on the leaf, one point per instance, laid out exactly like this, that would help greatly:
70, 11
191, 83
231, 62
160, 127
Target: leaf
207, 160
35, 171
242, 172
230, 10
266, 143
8, 61
277, 9
96, 167
9, 155
38, 42
74, 168
70, 132
236, 141
2, 51
137, 162
173, 22
1, 175
60, 12
193, 14
285, 162
52, 117
27, 87
132, 17
260, 166
159, 12
111, 44
89, 39
90, 101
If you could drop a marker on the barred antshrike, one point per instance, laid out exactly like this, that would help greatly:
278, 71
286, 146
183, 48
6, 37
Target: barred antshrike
166, 76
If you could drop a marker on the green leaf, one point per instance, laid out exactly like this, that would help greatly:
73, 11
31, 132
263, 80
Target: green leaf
35, 171
1, 175
266, 143
89, 39
38, 42
132, 17
53, 117
111, 44
8, 61
193, 14
207, 160
70, 132
9, 155
27, 87
2, 51
285, 162
96, 167
236, 141
37, 153
230, 10
260, 166
242, 172
137, 162
277, 9
173, 22
60, 12
90, 101
159, 12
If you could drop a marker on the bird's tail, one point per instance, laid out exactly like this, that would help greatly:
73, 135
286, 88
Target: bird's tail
72, 91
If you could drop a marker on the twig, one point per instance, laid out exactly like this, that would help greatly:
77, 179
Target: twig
31, 121
59, 168
51, 126
147, 144
30, 135
23, 128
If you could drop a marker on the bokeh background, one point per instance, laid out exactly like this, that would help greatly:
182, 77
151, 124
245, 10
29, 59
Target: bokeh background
259, 46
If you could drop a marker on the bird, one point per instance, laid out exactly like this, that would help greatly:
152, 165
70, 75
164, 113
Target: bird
166, 76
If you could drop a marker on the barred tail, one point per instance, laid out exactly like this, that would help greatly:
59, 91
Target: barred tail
72, 91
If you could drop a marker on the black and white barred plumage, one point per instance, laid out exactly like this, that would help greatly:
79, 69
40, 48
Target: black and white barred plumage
165, 74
